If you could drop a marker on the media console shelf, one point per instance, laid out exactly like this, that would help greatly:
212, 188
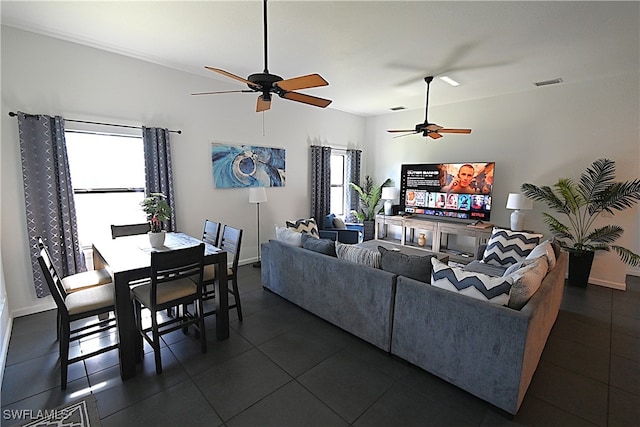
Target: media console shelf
436, 233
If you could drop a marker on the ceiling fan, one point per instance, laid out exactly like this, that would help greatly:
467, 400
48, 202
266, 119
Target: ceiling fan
267, 83
431, 130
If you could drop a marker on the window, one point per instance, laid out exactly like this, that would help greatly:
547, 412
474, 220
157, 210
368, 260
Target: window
107, 173
337, 183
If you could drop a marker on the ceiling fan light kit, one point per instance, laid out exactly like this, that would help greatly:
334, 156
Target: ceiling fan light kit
267, 83
431, 130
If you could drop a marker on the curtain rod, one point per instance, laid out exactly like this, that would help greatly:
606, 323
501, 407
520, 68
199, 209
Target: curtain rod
12, 114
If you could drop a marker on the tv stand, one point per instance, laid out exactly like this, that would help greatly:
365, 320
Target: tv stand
436, 232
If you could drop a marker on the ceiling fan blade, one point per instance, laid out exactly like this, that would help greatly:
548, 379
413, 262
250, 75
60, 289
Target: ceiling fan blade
223, 91
302, 82
262, 105
444, 130
306, 99
434, 135
401, 130
233, 76
413, 132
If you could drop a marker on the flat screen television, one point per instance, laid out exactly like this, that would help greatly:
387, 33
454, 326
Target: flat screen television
460, 191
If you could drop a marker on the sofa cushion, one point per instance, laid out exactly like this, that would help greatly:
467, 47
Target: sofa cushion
475, 285
506, 247
288, 236
339, 223
526, 281
328, 221
304, 226
484, 268
412, 266
358, 255
323, 246
544, 249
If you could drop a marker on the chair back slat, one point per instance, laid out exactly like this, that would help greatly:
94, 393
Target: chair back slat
129, 229
230, 242
51, 276
211, 232
177, 264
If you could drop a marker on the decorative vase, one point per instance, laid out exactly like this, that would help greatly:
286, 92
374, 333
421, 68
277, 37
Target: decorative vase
579, 268
156, 239
422, 240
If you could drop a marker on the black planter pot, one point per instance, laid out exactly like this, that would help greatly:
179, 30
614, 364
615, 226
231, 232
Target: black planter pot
369, 230
579, 268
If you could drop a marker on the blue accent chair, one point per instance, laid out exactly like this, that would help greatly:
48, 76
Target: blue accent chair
350, 235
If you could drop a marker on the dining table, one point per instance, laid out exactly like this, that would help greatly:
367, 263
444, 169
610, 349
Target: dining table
128, 259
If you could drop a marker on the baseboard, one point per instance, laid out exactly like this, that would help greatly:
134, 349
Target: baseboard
47, 305
7, 327
608, 284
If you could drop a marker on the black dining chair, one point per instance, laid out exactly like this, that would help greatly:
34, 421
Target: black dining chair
230, 242
175, 281
75, 282
211, 232
80, 305
129, 229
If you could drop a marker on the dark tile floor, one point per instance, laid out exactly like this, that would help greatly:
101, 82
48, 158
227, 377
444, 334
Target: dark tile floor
285, 367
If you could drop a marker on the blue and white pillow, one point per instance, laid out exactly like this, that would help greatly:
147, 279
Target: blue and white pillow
308, 226
476, 285
506, 247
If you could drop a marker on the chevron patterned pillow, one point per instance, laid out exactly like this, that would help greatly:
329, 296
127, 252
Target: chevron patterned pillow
475, 285
506, 247
308, 226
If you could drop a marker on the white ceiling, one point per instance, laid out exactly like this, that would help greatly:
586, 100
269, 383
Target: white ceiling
374, 54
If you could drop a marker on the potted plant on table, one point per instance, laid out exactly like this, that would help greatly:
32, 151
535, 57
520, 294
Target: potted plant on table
582, 203
158, 213
369, 198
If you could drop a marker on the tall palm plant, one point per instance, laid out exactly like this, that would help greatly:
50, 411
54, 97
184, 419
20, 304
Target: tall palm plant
370, 195
582, 203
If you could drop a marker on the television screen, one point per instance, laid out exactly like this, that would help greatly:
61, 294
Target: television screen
451, 190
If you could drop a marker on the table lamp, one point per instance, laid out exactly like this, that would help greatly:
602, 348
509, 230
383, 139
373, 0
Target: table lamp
518, 202
388, 194
257, 195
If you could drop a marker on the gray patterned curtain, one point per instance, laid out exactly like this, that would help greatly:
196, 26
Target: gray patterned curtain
157, 167
320, 183
353, 175
48, 196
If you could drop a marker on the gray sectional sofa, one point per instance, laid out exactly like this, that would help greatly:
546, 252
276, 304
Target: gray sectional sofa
489, 350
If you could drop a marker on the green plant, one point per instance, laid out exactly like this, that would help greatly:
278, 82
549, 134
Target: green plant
582, 203
369, 198
157, 209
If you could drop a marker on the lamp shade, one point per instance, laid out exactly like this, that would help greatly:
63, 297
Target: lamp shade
518, 201
389, 193
257, 195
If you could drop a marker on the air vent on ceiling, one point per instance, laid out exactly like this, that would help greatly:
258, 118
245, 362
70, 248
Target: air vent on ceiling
548, 82
398, 108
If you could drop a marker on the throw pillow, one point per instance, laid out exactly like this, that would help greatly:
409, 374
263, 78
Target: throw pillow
339, 223
323, 246
304, 226
526, 281
328, 221
412, 266
475, 285
544, 249
288, 236
358, 255
506, 247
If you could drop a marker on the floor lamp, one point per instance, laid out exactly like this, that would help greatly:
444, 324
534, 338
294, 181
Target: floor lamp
257, 195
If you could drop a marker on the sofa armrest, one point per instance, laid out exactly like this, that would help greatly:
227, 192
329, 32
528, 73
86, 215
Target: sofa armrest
328, 234
345, 235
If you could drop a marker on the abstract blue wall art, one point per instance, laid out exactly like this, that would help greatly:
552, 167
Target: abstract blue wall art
242, 166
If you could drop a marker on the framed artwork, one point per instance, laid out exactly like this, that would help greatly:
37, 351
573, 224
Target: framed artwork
243, 166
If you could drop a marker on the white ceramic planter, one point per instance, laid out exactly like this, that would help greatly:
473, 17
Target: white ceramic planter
156, 239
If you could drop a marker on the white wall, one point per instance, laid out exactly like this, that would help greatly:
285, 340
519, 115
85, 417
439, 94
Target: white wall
47, 76
536, 137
